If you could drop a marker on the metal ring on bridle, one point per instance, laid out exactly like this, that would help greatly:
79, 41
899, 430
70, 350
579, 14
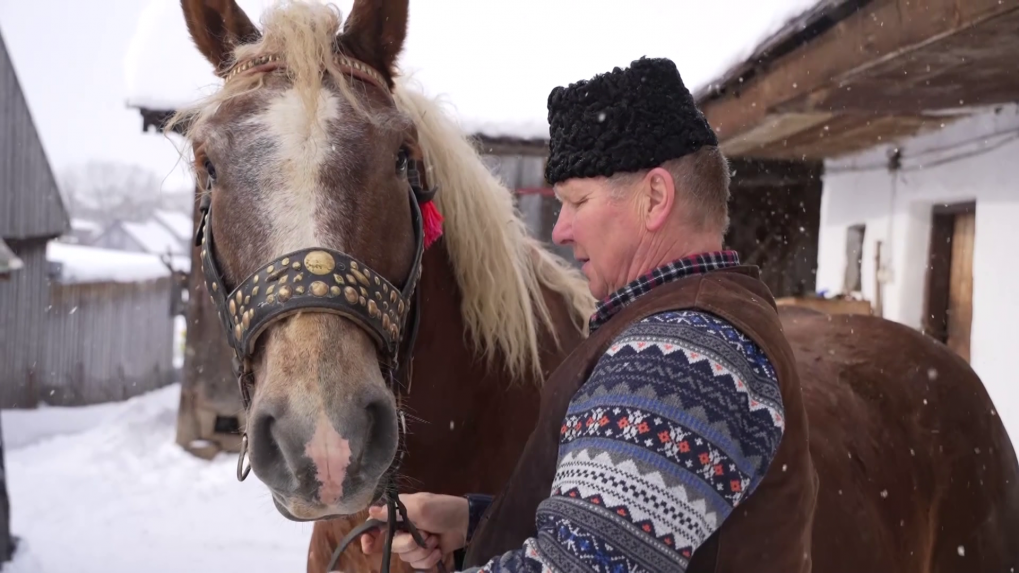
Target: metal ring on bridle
242, 471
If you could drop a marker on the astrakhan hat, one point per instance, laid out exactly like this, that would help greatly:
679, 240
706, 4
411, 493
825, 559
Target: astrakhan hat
623, 121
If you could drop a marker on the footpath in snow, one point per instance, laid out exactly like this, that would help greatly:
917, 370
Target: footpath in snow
104, 489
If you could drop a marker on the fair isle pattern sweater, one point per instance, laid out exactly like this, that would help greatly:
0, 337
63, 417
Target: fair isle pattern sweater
676, 426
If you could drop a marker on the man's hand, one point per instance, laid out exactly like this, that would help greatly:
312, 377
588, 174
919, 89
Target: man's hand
441, 519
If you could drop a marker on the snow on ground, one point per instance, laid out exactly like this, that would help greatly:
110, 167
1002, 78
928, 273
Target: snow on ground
23, 428
104, 489
495, 62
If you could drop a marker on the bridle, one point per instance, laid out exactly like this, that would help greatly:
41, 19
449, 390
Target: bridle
325, 280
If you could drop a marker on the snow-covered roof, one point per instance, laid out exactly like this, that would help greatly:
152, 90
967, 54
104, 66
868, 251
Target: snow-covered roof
90, 264
86, 225
176, 222
154, 237
496, 69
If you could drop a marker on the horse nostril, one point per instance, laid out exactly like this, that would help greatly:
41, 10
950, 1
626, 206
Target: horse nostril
264, 444
381, 439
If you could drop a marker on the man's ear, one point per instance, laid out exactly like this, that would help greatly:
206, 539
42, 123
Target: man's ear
660, 189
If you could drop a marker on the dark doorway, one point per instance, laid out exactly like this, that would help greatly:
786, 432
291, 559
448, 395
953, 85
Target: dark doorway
949, 296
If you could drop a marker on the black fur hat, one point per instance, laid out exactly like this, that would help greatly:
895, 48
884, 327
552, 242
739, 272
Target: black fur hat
623, 121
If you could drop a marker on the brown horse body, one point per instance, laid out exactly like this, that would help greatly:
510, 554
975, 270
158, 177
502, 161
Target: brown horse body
469, 419
917, 473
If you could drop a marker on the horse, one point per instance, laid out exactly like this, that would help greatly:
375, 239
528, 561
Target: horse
308, 146
916, 471
293, 158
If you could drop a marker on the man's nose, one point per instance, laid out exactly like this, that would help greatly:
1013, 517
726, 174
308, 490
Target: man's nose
562, 232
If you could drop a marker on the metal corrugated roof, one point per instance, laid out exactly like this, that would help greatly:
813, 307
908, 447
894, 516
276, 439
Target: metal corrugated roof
30, 202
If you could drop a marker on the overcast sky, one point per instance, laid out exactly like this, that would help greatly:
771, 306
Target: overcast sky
72, 73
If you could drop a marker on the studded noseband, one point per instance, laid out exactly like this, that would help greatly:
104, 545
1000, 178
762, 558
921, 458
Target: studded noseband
328, 281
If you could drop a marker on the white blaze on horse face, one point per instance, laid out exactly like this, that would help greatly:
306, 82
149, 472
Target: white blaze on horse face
331, 454
303, 145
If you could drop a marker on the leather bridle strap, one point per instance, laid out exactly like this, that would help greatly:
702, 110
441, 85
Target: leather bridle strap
310, 280
395, 508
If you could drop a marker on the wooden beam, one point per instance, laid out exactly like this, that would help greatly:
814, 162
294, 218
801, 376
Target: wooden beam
885, 29
772, 128
849, 134
975, 67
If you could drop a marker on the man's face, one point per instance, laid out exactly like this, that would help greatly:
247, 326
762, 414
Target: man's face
603, 231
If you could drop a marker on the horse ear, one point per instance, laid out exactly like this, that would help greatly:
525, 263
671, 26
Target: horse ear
217, 27
374, 33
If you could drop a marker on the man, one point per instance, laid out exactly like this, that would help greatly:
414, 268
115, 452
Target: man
673, 438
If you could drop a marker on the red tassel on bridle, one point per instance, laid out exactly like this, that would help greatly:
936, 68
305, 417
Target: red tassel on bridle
431, 221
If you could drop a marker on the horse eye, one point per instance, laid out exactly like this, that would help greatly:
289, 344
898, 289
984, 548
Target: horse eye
210, 169
401, 161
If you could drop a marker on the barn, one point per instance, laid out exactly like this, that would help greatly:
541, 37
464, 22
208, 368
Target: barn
80, 325
31, 215
908, 109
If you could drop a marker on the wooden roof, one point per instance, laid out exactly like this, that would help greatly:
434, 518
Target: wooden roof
30, 202
852, 74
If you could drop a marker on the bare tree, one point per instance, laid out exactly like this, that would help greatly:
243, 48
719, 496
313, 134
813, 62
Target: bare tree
104, 191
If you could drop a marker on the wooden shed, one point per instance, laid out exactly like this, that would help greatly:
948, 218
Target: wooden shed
31, 214
109, 325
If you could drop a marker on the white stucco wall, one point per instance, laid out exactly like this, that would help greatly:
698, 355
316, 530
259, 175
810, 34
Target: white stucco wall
897, 211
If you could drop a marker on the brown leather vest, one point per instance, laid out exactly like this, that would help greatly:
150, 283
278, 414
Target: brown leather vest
770, 531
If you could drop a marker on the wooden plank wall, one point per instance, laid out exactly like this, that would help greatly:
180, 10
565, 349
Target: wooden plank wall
539, 211
106, 342
78, 344
23, 300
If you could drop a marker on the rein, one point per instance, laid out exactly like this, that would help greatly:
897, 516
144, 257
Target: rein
333, 282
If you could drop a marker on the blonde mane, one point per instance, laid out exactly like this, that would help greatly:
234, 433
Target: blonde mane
499, 267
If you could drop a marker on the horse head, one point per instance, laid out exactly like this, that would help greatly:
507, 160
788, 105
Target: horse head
312, 195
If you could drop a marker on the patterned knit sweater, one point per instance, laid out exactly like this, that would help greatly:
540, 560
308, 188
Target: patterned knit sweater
676, 427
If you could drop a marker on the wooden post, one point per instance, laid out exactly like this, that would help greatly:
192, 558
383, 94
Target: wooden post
209, 400
6, 542
878, 282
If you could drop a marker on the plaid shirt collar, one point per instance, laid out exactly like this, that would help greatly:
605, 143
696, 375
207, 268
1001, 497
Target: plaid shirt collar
677, 269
